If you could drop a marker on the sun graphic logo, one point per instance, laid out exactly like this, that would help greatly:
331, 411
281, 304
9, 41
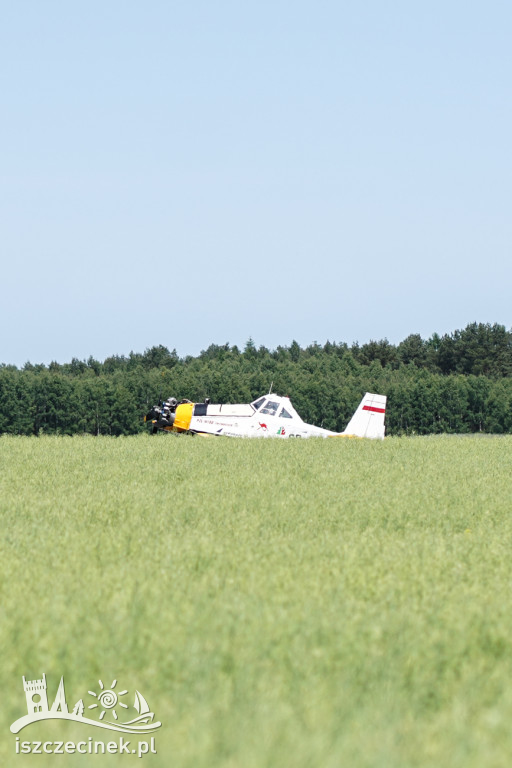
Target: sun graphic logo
108, 699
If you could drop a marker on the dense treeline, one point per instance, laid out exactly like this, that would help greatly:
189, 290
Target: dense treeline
460, 382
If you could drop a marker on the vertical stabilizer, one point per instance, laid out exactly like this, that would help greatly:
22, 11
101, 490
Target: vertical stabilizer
368, 420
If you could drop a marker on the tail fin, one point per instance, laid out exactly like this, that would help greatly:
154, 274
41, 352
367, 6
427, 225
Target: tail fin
368, 420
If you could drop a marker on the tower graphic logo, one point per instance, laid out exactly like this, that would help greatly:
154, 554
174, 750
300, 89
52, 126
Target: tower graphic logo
35, 691
110, 706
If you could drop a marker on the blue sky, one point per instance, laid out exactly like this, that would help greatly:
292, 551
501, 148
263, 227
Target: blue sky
195, 173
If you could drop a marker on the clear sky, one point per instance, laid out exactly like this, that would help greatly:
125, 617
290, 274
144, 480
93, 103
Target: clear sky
188, 173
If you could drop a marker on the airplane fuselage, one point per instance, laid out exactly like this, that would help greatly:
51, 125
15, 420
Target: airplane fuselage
234, 421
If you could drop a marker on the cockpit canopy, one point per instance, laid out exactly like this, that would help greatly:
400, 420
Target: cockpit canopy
274, 405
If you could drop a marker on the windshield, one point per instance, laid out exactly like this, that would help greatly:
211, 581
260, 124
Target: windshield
270, 408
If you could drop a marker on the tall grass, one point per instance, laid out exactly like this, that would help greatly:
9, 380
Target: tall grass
279, 603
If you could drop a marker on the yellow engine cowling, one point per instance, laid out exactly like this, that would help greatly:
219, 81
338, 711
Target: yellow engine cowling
183, 416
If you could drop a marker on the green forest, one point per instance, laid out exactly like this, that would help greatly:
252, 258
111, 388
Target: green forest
456, 383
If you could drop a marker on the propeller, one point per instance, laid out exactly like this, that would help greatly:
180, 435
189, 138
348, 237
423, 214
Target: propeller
163, 414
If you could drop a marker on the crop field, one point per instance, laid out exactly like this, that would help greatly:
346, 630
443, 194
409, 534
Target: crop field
278, 603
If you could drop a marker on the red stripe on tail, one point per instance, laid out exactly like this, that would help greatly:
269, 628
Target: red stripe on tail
374, 410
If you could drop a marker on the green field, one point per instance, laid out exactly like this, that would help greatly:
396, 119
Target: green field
279, 603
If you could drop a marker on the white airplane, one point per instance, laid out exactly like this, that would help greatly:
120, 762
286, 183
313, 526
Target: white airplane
268, 416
